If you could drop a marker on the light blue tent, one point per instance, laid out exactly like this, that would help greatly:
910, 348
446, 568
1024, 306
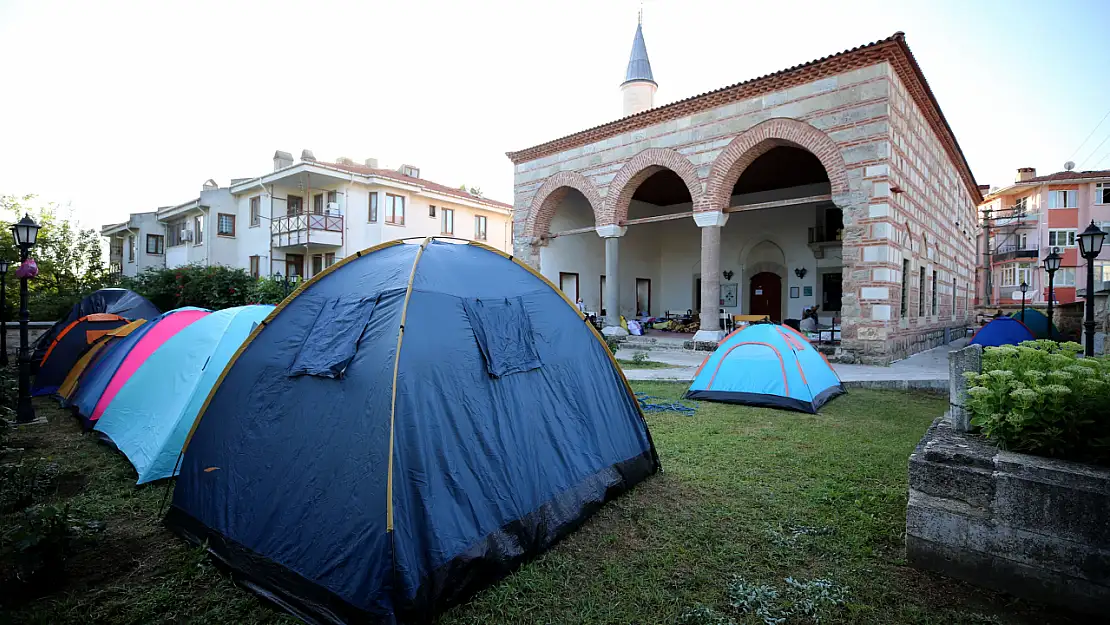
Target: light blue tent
766, 365
151, 415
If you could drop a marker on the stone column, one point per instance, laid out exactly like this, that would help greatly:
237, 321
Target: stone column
710, 326
612, 236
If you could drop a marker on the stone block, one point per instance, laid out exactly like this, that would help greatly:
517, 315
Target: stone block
878, 210
961, 361
874, 292
1029, 526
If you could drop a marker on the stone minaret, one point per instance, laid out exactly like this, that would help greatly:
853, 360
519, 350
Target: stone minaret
638, 88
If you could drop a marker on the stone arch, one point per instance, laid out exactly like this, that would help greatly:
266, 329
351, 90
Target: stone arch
760, 139
547, 198
638, 169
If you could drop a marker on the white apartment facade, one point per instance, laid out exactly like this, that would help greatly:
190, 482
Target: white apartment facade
305, 215
136, 244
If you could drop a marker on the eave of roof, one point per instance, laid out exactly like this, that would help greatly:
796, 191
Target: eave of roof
1060, 177
893, 50
389, 174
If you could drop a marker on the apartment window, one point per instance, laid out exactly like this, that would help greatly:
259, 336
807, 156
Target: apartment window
317, 263
1061, 238
480, 227
1015, 274
256, 211
409, 170
373, 210
394, 209
175, 230
255, 265
329, 259
1021, 205
447, 221
1065, 276
155, 244
225, 225
933, 306
294, 205
318, 204
198, 230
130, 248
1061, 199
1102, 193
921, 293
905, 286
432, 211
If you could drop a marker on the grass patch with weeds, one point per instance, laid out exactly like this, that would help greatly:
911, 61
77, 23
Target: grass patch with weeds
748, 494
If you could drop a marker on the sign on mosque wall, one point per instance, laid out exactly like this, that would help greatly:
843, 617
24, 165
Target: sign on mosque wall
728, 295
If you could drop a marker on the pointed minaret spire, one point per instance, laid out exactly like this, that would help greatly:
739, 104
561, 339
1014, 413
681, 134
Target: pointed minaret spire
639, 85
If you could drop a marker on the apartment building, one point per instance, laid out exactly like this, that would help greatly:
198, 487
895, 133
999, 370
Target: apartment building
1024, 221
136, 244
304, 215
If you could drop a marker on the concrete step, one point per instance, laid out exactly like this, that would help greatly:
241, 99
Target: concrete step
645, 343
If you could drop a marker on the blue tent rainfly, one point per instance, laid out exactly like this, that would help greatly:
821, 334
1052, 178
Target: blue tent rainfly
411, 426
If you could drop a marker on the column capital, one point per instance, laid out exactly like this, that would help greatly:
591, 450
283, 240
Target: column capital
708, 219
611, 232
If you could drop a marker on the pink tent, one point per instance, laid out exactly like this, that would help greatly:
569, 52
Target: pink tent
162, 330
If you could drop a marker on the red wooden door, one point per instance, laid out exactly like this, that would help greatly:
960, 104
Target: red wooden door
766, 295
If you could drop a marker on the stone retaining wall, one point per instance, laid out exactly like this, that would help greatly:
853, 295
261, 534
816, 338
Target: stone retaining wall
1034, 527
35, 329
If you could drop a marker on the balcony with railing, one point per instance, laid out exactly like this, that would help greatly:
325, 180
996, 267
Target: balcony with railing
307, 228
1015, 251
823, 238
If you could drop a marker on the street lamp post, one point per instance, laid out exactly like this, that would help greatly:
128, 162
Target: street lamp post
1024, 288
25, 232
1051, 266
1090, 245
4, 265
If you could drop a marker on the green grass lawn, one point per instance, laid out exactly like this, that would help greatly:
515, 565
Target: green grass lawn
759, 493
644, 364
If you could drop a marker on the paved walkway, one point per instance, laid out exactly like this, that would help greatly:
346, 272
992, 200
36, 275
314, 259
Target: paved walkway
928, 369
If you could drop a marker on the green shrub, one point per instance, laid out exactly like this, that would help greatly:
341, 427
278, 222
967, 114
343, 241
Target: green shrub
215, 287
1039, 397
640, 357
269, 291
613, 343
34, 548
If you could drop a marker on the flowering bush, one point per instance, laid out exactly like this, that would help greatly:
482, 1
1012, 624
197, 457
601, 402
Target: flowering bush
1040, 397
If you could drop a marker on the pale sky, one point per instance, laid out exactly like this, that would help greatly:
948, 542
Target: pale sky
119, 107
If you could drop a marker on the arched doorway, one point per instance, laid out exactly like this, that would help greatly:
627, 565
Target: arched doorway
765, 295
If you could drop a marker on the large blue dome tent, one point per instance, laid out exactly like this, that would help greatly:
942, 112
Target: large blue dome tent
766, 364
151, 415
1002, 331
408, 427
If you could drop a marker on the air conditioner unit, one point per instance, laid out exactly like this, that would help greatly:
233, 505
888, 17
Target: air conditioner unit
333, 207
188, 235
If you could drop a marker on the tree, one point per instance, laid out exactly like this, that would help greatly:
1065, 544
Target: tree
70, 260
471, 190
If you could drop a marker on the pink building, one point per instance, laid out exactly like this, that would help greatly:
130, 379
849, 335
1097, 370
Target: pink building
1024, 221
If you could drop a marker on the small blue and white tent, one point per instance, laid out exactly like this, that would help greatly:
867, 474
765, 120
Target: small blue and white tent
766, 365
1002, 331
151, 415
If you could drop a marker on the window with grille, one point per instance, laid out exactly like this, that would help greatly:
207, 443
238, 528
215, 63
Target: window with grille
921, 293
905, 286
225, 225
